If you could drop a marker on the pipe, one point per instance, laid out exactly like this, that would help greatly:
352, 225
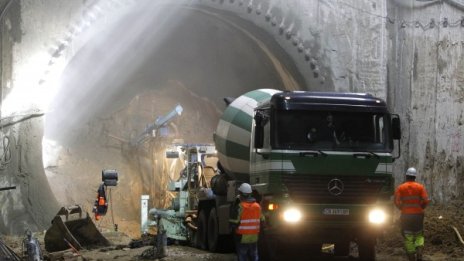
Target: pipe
24, 118
177, 111
458, 235
160, 122
5, 9
165, 213
8, 188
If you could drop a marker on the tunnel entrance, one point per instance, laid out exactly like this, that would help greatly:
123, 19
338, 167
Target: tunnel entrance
139, 67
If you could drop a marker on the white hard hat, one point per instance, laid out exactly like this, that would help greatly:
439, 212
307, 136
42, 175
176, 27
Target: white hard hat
411, 172
245, 188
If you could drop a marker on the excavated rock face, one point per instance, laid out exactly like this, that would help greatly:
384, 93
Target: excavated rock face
107, 143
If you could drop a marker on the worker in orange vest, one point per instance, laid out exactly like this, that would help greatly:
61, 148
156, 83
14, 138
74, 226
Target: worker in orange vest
411, 198
101, 205
246, 219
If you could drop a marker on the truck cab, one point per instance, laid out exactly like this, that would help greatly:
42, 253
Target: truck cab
322, 164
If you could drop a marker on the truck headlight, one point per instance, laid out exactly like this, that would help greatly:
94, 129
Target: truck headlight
377, 216
292, 215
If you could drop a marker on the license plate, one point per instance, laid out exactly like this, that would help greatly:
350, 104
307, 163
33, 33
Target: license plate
336, 211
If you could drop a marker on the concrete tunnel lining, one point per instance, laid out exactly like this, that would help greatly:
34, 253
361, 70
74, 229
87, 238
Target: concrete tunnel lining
82, 151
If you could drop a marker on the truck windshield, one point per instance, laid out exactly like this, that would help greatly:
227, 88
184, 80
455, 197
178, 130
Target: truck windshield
331, 130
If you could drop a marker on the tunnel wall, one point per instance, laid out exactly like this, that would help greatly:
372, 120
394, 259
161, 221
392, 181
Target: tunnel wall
24, 47
426, 87
357, 46
336, 46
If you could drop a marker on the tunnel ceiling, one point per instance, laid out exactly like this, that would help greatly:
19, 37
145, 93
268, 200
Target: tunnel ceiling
211, 53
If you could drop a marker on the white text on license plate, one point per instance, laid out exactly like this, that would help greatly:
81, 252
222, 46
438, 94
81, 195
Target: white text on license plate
336, 211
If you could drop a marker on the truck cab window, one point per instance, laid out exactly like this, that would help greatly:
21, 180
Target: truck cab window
330, 130
266, 134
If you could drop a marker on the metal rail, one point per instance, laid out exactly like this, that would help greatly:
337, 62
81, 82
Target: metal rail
7, 253
458, 235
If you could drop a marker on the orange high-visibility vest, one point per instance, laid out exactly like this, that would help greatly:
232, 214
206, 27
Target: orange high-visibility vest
249, 218
101, 201
411, 198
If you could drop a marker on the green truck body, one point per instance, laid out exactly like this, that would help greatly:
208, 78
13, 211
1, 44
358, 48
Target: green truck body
320, 164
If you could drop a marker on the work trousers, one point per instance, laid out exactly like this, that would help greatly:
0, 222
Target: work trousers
247, 252
412, 230
412, 241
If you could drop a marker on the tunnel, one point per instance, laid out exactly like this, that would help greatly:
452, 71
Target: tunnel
134, 65
137, 68
92, 75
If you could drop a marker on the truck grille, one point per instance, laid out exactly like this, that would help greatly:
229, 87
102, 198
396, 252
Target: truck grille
315, 189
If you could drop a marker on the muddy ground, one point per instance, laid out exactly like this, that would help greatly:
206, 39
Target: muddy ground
442, 243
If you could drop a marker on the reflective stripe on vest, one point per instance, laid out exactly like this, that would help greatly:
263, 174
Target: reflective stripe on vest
249, 219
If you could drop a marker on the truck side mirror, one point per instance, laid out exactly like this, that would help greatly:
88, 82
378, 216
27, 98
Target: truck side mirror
259, 131
396, 128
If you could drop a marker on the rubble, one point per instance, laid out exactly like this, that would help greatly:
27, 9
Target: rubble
441, 243
440, 238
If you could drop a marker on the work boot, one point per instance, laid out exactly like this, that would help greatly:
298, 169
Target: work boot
419, 252
412, 257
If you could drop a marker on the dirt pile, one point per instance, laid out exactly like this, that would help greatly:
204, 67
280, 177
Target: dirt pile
119, 250
440, 238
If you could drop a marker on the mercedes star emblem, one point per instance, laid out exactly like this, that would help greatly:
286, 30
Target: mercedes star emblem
335, 187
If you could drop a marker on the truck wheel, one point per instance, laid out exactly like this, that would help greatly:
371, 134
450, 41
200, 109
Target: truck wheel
201, 235
192, 235
342, 248
213, 231
274, 248
314, 249
267, 252
366, 249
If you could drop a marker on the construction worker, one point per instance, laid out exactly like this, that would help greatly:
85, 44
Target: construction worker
411, 198
101, 205
245, 220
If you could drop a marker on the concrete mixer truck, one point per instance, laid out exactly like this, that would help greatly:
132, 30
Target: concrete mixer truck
319, 163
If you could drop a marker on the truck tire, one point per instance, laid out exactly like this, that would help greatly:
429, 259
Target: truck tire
218, 184
265, 250
342, 248
192, 235
213, 231
202, 230
217, 242
366, 249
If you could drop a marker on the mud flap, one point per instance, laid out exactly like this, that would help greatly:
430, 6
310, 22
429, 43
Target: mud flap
70, 230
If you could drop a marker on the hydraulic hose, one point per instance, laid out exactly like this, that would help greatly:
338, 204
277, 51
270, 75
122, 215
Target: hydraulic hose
5, 9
